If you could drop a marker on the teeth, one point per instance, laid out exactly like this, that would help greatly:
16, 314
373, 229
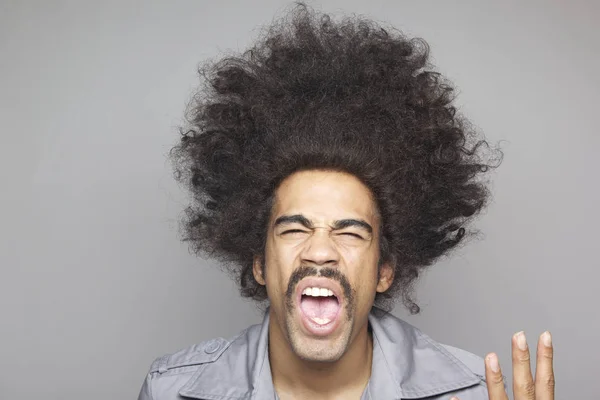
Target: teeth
317, 292
321, 321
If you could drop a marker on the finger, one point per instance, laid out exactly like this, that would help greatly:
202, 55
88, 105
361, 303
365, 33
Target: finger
493, 378
523, 387
544, 373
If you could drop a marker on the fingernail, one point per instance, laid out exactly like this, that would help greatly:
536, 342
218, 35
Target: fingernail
547, 339
493, 362
521, 340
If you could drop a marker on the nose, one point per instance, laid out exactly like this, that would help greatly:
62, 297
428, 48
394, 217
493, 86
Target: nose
320, 250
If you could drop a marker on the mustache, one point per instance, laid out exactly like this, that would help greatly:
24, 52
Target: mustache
326, 272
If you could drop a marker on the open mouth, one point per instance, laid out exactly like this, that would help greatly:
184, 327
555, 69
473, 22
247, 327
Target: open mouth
320, 305
320, 302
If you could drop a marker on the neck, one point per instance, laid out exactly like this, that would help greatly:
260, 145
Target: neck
297, 378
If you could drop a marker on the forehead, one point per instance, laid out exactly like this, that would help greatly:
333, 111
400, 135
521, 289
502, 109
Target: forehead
324, 195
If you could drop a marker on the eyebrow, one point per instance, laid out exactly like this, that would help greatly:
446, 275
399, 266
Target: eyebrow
339, 224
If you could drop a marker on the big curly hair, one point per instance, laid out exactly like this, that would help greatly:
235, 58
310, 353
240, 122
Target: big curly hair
348, 95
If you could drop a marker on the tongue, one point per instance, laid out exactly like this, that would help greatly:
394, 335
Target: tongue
324, 308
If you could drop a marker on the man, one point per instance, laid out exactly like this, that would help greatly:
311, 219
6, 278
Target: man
329, 168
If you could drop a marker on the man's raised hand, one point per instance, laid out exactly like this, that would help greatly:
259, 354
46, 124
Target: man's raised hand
525, 387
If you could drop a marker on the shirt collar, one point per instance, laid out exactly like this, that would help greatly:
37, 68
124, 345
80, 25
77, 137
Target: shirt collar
406, 364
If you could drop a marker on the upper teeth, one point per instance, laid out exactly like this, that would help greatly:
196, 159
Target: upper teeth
315, 291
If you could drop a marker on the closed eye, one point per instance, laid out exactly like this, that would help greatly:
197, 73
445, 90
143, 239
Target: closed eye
300, 231
352, 234
293, 231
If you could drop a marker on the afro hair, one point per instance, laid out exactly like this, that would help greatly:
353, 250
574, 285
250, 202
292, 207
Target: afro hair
348, 95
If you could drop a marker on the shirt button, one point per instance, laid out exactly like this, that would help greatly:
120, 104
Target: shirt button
212, 347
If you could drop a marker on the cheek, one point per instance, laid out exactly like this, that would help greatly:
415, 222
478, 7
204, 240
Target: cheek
278, 271
365, 276
366, 282
363, 263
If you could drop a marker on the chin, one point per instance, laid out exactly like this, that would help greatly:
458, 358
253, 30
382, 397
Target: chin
322, 353
325, 350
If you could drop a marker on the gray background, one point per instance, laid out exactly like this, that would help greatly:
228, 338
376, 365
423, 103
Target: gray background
95, 283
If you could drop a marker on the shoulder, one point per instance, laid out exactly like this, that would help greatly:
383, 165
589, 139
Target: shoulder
472, 361
170, 372
201, 353
459, 372
475, 363
415, 339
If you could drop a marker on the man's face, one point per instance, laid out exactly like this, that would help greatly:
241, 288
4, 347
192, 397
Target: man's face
321, 262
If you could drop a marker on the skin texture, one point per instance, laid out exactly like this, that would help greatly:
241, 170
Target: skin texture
302, 363
525, 387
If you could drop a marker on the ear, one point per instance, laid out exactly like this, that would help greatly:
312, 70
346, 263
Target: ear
386, 277
257, 270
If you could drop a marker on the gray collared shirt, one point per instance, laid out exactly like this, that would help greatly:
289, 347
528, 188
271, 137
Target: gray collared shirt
407, 364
